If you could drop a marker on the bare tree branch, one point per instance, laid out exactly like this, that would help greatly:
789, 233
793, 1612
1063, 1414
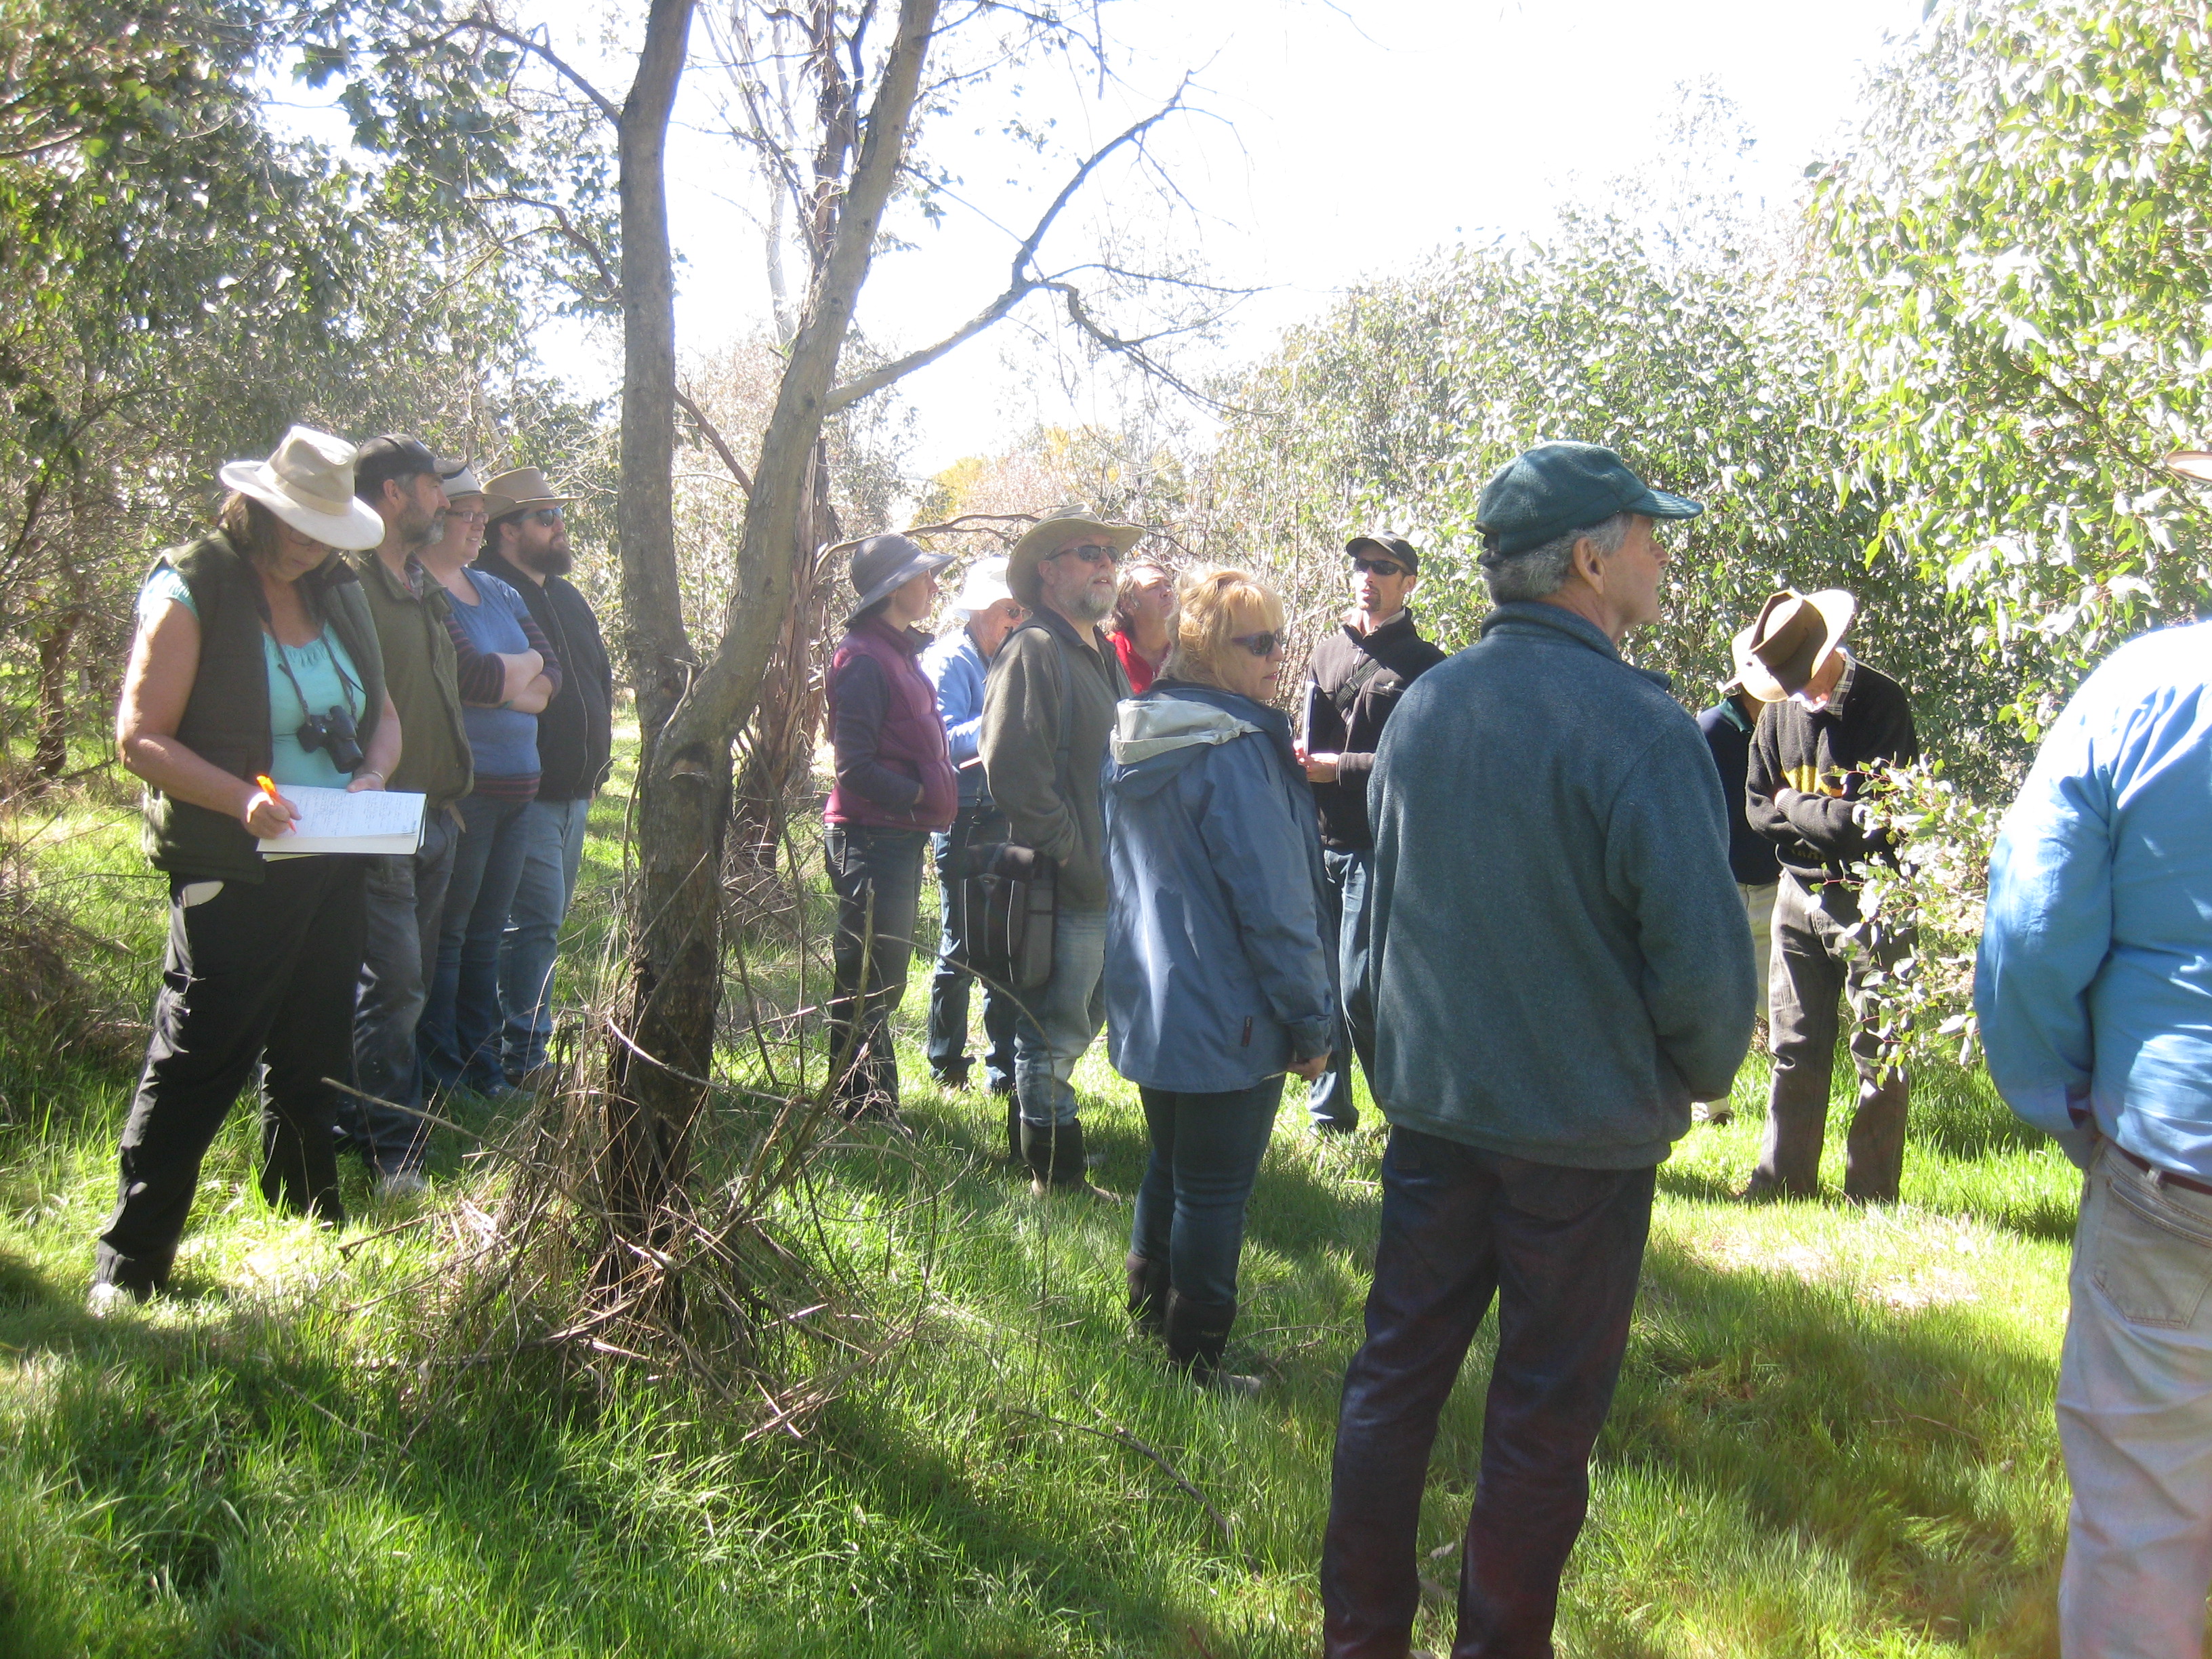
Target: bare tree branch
483, 25
714, 441
1025, 279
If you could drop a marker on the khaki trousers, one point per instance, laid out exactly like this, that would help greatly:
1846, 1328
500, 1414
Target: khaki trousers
1816, 962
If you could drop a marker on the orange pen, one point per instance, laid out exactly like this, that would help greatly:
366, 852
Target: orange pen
270, 784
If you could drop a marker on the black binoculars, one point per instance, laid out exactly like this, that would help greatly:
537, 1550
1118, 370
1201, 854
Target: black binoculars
334, 732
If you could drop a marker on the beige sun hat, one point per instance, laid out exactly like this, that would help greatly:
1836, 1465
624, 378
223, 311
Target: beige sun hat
2193, 464
1793, 639
1051, 533
1740, 654
518, 489
308, 483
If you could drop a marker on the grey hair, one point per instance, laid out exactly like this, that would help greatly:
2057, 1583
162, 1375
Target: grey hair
1539, 572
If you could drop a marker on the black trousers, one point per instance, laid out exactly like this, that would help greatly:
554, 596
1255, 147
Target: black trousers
875, 873
1560, 1250
256, 976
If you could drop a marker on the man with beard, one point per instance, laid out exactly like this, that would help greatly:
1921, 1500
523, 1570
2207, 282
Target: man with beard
403, 483
1048, 712
527, 546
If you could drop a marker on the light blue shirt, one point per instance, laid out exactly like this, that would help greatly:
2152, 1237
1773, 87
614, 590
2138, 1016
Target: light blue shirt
323, 668
2094, 981
957, 669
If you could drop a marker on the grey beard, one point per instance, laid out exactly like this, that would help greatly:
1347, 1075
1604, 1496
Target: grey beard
1091, 607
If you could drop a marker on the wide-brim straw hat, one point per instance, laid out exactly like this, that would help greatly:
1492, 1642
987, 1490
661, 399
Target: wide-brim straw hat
1053, 532
518, 490
984, 586
308, 483
1792, 641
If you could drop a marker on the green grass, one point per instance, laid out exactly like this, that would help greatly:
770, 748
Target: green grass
1832, 1437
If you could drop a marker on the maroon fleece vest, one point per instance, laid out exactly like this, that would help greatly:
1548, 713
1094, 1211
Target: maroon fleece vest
912, 738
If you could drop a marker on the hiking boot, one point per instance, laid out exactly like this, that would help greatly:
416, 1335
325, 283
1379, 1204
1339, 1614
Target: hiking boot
1197, 1332
1148, 1294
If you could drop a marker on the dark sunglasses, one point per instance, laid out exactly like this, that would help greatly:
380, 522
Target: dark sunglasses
1380, 567
1262, 645
547, 516
1092, 553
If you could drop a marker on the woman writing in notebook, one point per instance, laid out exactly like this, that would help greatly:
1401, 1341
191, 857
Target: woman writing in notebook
255, 659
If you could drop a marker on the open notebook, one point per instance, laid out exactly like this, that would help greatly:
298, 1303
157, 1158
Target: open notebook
340, 821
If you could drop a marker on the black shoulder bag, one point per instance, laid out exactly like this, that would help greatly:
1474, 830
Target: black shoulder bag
1009, 893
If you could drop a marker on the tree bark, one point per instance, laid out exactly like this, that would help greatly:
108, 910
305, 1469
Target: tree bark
671, 967
660, 1061
50, 754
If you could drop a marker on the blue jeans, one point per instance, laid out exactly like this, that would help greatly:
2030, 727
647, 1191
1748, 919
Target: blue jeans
1061, 1018
949, 984
406, 899
459, 1032
877, 874
1560, 1250
1329, 1101
1205, 1155
553, 856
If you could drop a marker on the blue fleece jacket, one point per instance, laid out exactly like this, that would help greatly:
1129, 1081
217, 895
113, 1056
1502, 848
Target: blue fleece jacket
1215, 974
1558, 963
2095, 980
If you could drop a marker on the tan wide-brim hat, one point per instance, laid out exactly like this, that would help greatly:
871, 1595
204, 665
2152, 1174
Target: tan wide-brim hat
2193, 464
308, 483
1792, 641
1053, 532
519, 490
1745, 664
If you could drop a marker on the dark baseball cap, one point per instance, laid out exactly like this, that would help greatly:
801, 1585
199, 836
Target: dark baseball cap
387, 457
1545, 492
1390, 547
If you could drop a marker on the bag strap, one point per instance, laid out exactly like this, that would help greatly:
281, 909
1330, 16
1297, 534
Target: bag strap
1066, 718
1346, 695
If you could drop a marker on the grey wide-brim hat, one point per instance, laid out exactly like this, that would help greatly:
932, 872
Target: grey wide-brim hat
882, 563
1053, 532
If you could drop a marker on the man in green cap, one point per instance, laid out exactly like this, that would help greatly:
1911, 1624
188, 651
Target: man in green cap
1556, 966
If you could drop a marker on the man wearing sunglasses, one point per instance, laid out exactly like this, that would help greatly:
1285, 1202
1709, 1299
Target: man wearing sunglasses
1354, 679
1048, 712
527, 546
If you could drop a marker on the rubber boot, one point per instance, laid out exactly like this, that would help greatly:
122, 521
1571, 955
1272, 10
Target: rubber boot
1197, 1332
1054, 1157
1148, 1292
1013, 1130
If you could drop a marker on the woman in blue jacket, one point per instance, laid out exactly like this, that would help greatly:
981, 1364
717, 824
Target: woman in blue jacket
1216, 984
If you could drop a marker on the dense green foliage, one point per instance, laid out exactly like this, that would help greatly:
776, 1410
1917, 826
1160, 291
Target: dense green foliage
2023, 259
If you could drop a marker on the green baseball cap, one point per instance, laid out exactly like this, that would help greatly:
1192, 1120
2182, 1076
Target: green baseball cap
1545, 492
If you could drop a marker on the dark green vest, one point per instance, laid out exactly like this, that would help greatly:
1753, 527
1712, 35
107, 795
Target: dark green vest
225, 722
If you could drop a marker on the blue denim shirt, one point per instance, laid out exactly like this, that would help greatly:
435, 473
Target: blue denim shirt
1216, 978
957, 670
2095, 980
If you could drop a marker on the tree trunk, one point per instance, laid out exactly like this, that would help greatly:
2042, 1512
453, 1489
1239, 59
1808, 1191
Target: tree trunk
672, 956
661, 1062
50, 756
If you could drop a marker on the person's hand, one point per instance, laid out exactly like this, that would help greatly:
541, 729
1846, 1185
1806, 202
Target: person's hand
266, 813
1309, 1069
1321, 768
366, 778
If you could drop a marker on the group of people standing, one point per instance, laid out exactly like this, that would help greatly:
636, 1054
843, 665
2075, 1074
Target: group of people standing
357, 619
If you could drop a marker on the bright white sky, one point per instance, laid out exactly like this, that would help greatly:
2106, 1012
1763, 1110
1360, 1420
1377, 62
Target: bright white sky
1340, 141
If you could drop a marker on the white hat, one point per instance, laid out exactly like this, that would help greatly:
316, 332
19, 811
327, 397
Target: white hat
463, 483
308, 483
984, 586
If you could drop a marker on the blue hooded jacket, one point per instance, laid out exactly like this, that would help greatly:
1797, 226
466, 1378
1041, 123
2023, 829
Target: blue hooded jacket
2095, 980
1216, 978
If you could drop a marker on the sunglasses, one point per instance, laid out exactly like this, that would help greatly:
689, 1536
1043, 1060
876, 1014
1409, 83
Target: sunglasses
1092, 553
547, 516
1380, 567
1262, 645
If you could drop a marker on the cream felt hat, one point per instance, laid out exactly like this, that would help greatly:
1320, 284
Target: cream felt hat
308, 483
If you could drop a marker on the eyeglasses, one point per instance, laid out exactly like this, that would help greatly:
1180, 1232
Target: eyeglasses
1092, 553
1262, 645
466, 518
547, 516
1380, 567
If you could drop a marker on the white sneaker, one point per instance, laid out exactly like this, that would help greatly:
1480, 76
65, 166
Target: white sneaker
104, 1299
